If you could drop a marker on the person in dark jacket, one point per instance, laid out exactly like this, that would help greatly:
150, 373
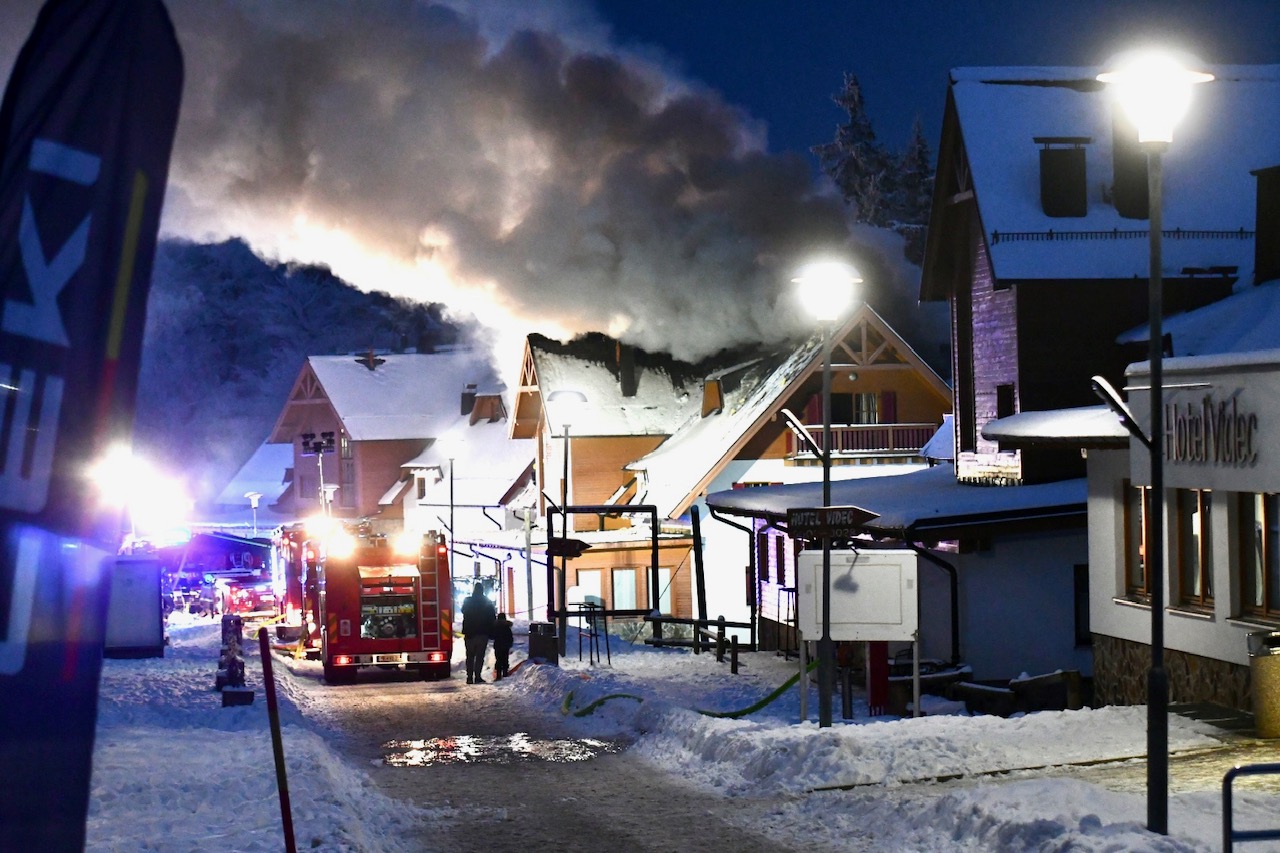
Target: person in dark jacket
478, 614
502, 643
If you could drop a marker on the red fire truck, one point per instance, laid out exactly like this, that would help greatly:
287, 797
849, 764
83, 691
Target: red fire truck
384, 606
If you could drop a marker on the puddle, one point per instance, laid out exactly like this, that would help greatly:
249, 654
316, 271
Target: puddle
490, 749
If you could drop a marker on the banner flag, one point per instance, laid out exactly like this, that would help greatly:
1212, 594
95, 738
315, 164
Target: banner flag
86, 129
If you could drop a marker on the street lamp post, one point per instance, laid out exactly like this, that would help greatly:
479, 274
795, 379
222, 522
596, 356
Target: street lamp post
318, 447
573, 398
1155, 91
826, 288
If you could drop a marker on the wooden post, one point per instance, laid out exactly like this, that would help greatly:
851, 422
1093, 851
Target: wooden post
277, 745
733, 657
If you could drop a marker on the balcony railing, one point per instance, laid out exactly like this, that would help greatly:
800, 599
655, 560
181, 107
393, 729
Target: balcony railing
866, 439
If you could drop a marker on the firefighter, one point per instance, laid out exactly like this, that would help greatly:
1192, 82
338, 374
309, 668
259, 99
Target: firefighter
478, 614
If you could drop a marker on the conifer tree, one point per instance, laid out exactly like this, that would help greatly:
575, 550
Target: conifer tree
855, 161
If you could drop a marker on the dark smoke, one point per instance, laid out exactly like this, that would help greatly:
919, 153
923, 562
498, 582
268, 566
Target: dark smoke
523, 171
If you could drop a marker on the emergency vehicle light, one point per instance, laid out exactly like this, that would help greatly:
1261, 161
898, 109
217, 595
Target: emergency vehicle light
405, 544
436, 657
342, 660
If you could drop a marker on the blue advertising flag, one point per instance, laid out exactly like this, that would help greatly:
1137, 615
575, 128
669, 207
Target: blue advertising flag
86, 129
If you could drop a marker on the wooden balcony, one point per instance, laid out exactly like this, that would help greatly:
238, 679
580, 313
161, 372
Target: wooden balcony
858, 440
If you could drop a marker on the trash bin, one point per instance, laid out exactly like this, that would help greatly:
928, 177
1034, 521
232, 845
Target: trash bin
1264, 667
544, 645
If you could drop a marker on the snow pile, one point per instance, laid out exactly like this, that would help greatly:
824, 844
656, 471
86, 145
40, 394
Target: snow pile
175, 771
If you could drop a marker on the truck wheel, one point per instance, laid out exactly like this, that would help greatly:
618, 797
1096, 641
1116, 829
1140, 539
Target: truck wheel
337, 675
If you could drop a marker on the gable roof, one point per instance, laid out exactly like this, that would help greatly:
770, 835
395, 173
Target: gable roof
679, 469
404, 396
487, 465
995, 114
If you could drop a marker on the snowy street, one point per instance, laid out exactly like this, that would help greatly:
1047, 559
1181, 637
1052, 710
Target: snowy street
391, 764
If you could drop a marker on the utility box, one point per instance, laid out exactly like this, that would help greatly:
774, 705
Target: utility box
135, 613
874, 595
1264, 669
544, 645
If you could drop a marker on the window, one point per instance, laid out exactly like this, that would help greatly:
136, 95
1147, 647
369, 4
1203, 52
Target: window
624, 589
1004, 401
866, 409
1195, 572
421, 483
664, 591
1084, 637
346, 473
1135, 539
762, 556
1259, 558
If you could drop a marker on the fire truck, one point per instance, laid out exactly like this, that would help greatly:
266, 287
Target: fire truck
294, 564
385, 606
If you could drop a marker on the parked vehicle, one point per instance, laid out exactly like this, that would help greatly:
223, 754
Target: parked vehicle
377, 607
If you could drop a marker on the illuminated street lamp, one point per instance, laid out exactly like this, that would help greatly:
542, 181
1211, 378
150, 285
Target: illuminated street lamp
570, 399
254, 497
1154, 90
826, 290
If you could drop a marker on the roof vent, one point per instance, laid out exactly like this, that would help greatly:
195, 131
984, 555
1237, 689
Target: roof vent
1062, 175
1266, 241
627, 378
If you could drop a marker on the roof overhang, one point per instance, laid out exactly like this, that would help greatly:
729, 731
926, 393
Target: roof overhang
1084, 427
925, 505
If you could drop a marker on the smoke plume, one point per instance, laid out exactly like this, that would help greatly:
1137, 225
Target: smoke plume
510, 163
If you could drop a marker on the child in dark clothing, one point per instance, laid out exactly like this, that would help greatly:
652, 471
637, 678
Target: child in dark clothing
502, 642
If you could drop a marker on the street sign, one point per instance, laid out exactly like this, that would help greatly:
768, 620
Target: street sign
827, 522
558, 546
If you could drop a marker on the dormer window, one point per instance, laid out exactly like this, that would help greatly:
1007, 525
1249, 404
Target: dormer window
1062, 175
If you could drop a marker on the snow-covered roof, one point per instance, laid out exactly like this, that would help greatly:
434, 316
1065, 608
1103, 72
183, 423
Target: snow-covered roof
941, 446
486, 464
1209, 193
264, 473
700, 444
922, 502
1247, 320
406, 395
752, 391
1084, 426
661, 401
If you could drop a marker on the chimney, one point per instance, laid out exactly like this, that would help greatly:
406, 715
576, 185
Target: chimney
1129, 171
626, 356
1062, 175
468, 398
1266, 234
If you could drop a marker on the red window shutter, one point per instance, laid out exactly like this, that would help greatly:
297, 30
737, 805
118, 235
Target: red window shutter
888, 407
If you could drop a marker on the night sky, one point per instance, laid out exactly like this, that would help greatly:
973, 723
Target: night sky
784, 60
635, 167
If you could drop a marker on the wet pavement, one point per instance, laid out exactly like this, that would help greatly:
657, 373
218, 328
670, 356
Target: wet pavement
1201, 769
504, 749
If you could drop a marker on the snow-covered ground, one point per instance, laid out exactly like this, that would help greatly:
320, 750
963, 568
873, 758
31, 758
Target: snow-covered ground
176, 771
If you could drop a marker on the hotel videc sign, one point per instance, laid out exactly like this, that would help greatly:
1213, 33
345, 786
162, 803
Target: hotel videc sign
1220, 419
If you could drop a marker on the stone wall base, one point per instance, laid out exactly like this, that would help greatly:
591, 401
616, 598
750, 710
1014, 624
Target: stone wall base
1120, 670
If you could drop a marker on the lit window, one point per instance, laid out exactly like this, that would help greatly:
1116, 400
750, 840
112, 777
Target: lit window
1259, 557
1194, 563
1135, 539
